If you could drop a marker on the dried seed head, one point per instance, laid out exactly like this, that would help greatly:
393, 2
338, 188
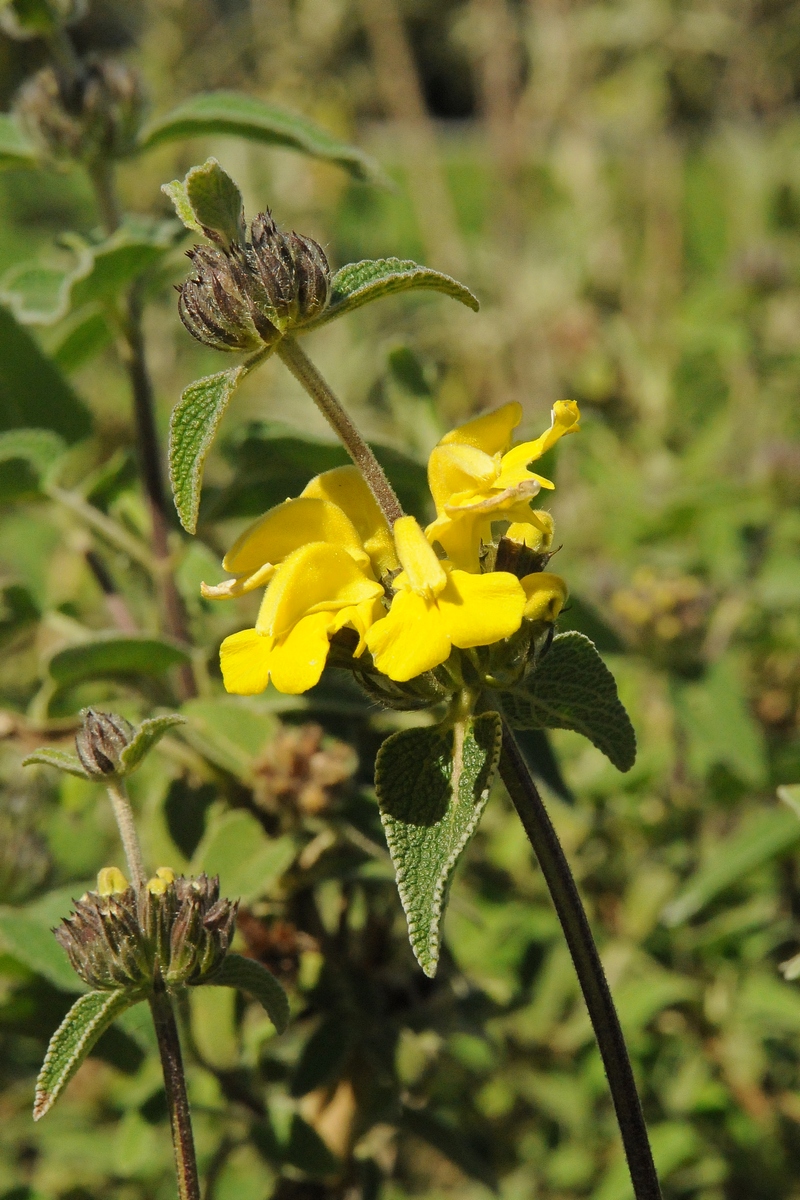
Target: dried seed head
178, 932
101, 740
245, 297
97, 115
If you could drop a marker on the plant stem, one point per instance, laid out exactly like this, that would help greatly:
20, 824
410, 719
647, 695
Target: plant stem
123, 815
169, 1047
588, 966
173, 614
307, 374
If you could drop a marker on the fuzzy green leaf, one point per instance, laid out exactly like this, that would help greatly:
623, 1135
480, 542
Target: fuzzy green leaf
88, 1018
431, 800
62, 760
194, 423
38, 447
147, 735
33, 392
372, 279
253, 977
15, 149
254, 119
115, 655
572, 688
209, 200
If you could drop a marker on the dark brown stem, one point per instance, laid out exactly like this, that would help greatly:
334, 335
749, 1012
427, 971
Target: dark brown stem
309, 377
594, 985
169, 1047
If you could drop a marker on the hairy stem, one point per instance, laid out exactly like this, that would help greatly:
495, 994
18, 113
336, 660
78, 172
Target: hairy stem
173, 614
591, 975
169, 1048
123, 815
307, 374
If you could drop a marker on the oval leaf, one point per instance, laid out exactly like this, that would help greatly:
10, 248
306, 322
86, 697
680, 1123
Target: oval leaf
147, 735
208, 200
432, 793
252, 977
88, 1018
62, 760
194, 423
359, 283
254, 119
572, 688
115, 656
236, 848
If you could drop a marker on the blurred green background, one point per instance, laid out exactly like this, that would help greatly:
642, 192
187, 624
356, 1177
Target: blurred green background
619, 183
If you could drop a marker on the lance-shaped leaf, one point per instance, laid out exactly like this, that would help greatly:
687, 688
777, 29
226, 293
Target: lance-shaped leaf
208, 201
572, 688
75, 1037
115, 656
15, 148
62, 760
359, 283
147, 735
433, 785
258, 121
252, 977
194, 423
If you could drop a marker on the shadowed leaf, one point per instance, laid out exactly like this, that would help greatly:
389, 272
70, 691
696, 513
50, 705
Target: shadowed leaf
252, 977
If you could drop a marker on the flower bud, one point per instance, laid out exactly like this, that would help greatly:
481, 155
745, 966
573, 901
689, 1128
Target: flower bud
111, 882
96, 115
176, 932
525, 548
101, 740
245, 297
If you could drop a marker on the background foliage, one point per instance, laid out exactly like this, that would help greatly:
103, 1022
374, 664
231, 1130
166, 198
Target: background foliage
620, 184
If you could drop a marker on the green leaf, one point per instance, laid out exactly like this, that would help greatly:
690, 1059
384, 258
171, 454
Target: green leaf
432, 795
323, 1058
272, 461
85, 335
148, 734
307, 1151
254, 119
15, 148
228, 732
765, 837
252, 977
194, 423
450, 1142
719, 725
62, 760
372, 279
115, 655
88, 1018
26, 932
236, 848
208, 200
33, 392
572, 688
38, 447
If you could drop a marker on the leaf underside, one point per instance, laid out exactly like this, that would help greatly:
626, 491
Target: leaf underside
572, 688
253, 977
194, 423
61, 759
75, 1037
430, 807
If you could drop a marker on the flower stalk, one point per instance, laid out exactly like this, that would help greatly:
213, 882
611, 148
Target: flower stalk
123, 814
594, 985
169, 1048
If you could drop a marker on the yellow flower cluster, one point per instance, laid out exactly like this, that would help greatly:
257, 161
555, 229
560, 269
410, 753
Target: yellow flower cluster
330, 561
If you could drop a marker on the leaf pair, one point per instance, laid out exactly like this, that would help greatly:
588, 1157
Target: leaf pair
147, 735
92, 1014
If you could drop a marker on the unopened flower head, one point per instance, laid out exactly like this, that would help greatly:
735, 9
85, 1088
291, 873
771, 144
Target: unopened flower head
100, 741
177, 930
245, 296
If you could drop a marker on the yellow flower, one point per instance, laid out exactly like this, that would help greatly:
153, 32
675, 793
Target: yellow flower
437, 607
545, 596
317, 590
477, 477
336, 507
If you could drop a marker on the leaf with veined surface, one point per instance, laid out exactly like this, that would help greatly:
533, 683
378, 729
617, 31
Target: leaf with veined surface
195, 420
253, 977
359, 283
147, 735
433, 785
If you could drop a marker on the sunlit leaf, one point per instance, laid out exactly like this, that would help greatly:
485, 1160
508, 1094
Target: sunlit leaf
248, 863
208, 200
373, 279
147, 735
194, 423
26, 933
62, 760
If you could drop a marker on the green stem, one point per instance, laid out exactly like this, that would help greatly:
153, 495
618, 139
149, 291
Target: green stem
123, 814
169, 1048
307, 374
588, 966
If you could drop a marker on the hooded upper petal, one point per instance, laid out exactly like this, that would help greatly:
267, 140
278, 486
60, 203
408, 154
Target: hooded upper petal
346, 487
288, 526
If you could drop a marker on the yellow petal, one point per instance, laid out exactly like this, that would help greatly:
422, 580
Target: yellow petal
455, 470
346, 487
315, 578
410, 639
359, 617
545, 595
299, 657
424, 573
536, 532
490, 433
564, 418
245, 658
460, 538
274, 536
480, 609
